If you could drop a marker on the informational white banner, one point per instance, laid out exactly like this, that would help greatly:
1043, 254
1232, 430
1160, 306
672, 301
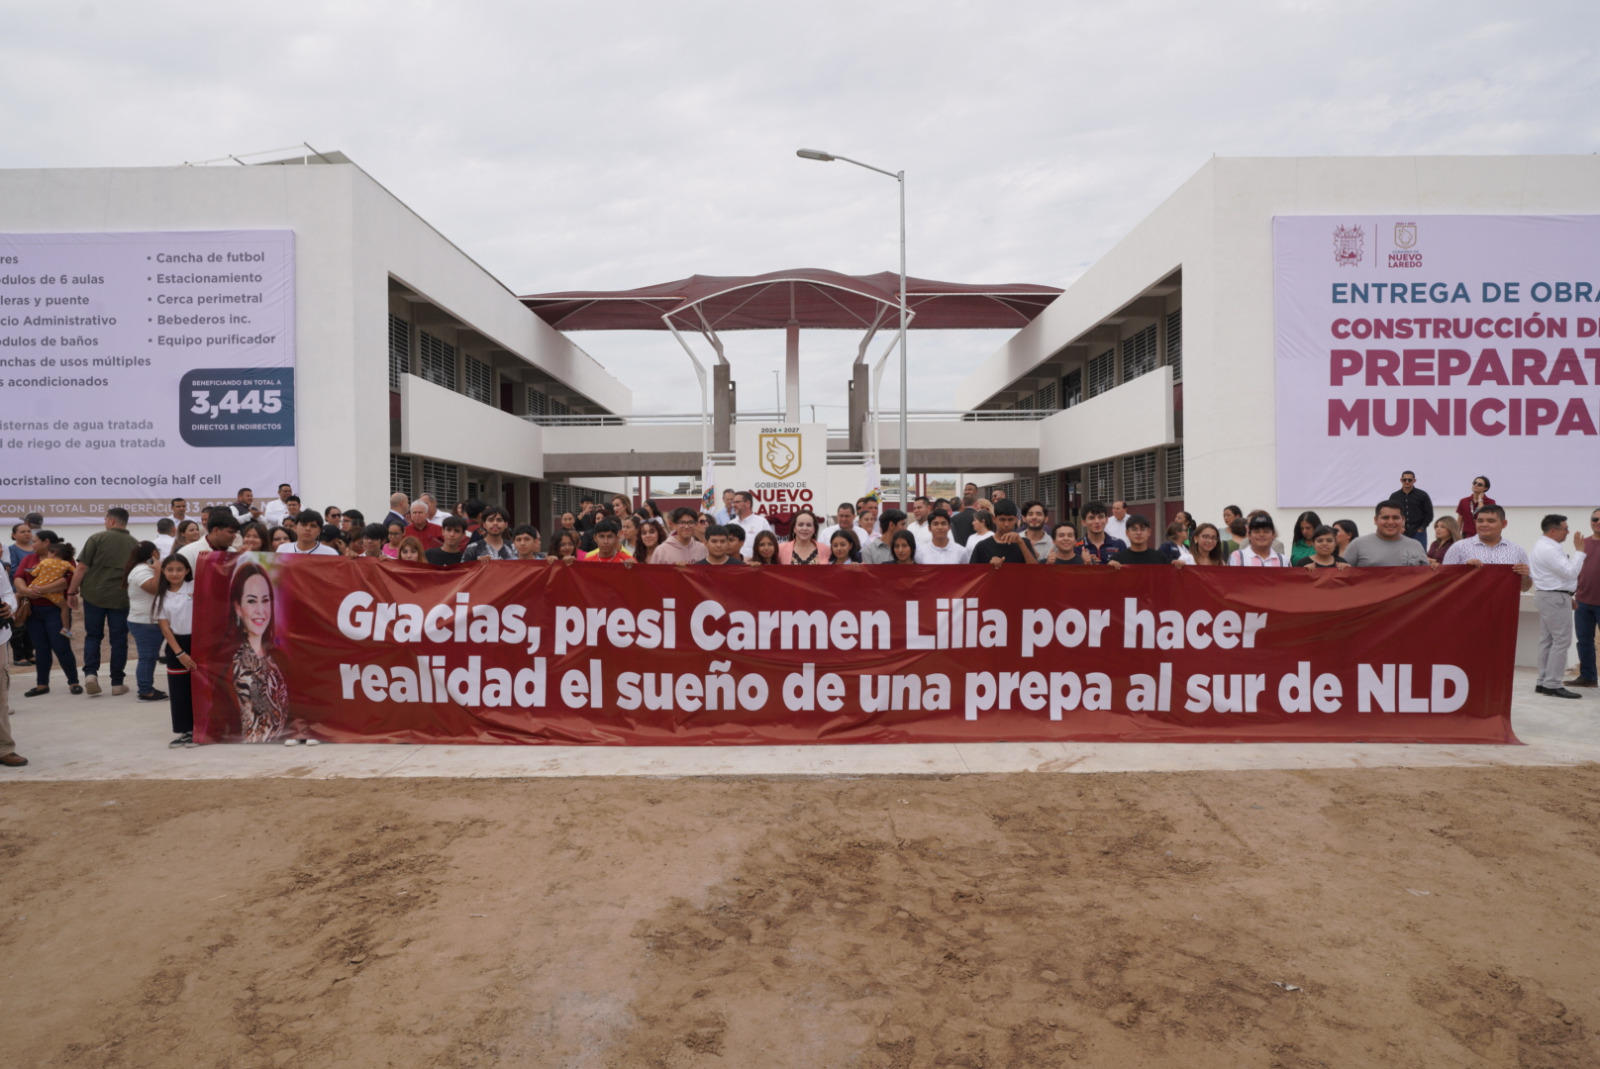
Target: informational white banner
785, 468
1450, 345
140, 367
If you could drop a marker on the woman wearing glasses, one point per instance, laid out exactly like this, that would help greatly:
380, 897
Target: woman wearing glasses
1468, 506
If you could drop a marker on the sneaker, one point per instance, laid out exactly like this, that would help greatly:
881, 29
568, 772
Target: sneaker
190, 744
153, 696
311, 742
92, 685
292, 742
186, 739
119, 689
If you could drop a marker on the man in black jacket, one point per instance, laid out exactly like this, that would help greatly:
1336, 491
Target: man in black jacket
1415, 506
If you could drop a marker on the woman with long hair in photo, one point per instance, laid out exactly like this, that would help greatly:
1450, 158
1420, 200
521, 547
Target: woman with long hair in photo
802, 547
258, 681
1446, 533
1303, 548
410, 549
393, 533
280, 536
765, 549
143, 581
188, 531
174, 612
1208, 546
566, 547
903, 547
844, 548
650, 536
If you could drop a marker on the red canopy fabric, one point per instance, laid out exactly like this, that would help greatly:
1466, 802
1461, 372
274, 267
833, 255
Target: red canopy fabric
814, 298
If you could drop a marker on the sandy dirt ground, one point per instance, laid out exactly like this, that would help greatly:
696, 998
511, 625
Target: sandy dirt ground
1396, 918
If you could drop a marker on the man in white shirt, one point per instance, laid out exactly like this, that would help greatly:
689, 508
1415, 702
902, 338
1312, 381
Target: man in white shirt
244, 509
845, 520
9, 757
307, 535
921, 507
222, 530
435, 513
1555, 584
941, 548
180, 512
753, 523
1117, 522
1489, 546
166, 534
278, 507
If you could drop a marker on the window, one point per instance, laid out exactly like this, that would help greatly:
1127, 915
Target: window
1175, 473
1139, 477
1139, 354
1072, 389
559, 408
438, 361
538, 403
399, 350
1047, 397
567, 497
443, 481
400, 474
480, 381
1175, 344
1024, 490
1045, 489
1102, 480
1102, 372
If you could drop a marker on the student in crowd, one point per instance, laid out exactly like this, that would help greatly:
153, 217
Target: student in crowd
1229, 514
651, 536
921, 509
422, 528
1173, 546
1187, 520
308, 537
188, 532
982, 525
1555, 585
1006, 546
173, 611
1446, 532
351, 524
866, 522
1138, 549
567, 547
1238, 535
681, 546
1467, 508
453, 544
1345, 532
718, 549
903, 547
1207, 541
628, 538
410, 550
764, 549
877, 552
525, 540
607, 544
1325, 550
1305, 529
802, 547
333, 538
375, 542
1489, 546
253, 537
493, 522
943, 547
845, 548
394, 531
143, 583
1033, 529
1064, 547
1263, 550
1097, 543
738, 540
279, 536
1389, 546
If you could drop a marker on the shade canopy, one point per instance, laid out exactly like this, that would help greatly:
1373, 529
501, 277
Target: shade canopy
811, 298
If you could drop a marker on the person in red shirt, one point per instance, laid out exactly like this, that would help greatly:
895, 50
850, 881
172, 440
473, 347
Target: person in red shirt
607, 536
1467, 508
431, 535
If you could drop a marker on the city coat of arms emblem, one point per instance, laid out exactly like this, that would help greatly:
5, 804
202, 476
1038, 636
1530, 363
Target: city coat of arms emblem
1405, 235
1348, 245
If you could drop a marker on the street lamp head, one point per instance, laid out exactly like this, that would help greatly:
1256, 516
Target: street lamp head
813, 154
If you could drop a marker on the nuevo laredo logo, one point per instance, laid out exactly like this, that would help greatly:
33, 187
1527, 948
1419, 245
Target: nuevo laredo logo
1405, 235
1348, 245
780, 454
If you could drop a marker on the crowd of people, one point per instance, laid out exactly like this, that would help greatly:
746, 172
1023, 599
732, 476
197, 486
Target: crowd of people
124, 586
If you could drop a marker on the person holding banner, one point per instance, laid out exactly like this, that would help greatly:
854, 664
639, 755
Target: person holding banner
1007, 545
1388, 547
943, 549
1262, 532
174, 612
802, 547
681, 547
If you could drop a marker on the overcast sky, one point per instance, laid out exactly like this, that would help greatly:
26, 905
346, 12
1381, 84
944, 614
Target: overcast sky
612, 145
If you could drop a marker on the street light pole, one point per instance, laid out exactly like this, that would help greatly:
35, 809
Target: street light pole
900, 177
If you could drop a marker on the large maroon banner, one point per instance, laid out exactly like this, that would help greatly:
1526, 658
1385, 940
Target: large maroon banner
369, 651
